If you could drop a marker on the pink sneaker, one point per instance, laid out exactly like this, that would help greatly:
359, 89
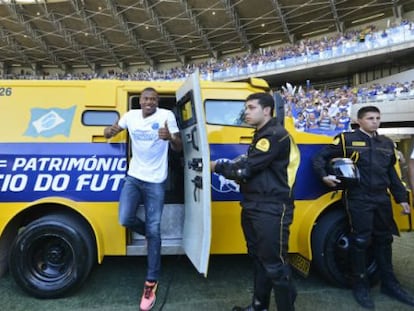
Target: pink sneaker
148, 297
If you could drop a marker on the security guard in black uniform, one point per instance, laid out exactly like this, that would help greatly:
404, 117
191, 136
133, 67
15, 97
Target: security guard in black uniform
368, 204
266, 176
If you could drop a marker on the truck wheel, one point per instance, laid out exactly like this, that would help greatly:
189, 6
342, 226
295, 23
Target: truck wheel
330, 249
52, 256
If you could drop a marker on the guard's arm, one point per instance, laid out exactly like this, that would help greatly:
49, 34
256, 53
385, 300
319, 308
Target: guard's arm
234, 170
324, 155
397, 187
411, 172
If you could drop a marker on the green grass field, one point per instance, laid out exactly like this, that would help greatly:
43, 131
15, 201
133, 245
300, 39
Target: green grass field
116, 286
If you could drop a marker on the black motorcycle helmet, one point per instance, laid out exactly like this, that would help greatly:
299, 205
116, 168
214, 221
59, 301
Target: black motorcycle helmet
346, 171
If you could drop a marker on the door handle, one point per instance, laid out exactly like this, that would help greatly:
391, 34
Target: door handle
193, 131
198, 184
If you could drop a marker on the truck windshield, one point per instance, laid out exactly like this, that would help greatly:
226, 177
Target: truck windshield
225, 112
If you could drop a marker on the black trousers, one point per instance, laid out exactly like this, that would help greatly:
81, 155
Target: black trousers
370, 215
266, 230
372, 224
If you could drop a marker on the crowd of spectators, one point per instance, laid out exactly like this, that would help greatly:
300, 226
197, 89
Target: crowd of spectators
304, 50
391, 91
313, 110
329, 110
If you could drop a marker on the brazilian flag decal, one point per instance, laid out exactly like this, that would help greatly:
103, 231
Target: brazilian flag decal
50, 122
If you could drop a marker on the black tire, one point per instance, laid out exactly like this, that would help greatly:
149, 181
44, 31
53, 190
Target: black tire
52, 256
330, 249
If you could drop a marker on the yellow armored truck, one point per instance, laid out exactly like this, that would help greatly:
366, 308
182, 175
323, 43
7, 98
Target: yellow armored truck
60, 181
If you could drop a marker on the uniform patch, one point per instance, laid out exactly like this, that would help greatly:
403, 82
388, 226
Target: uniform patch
263, 145
336, 141
359, 143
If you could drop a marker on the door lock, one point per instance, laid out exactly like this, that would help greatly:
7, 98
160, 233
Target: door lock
196, 164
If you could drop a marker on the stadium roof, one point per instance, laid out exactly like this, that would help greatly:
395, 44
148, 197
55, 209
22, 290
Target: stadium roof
147, 32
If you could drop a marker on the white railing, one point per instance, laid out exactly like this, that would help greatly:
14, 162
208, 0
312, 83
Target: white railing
396, 38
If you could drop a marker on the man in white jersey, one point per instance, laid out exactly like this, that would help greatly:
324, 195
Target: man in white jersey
151, 130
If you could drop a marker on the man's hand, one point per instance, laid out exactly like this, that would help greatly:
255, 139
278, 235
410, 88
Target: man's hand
331, 181
112, 130
164, 132
406, 208
175, 139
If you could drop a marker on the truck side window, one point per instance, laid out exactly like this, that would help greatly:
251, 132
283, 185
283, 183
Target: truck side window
225, 112
99, 118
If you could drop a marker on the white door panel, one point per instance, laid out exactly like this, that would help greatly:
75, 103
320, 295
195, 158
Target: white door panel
197, 220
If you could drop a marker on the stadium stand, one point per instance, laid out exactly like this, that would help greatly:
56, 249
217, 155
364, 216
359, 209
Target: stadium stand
314, 110
305, 52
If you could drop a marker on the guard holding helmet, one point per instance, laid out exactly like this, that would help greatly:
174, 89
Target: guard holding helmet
368, 203
346, 171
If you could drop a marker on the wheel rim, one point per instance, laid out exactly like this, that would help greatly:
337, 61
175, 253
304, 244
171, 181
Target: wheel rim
341, 253
50, 258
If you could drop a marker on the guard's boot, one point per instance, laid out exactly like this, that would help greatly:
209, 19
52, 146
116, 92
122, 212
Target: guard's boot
362, 295
255, 306
395, 290
262, 287
360, 288
237, 308
389, 283
285, 294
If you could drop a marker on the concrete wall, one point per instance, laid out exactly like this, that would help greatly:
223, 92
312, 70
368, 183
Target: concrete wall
405, 76
401, 110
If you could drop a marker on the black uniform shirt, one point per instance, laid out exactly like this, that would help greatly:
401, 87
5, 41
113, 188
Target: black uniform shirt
375, 158
269, 171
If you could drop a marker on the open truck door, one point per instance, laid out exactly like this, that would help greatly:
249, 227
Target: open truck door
197, 176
